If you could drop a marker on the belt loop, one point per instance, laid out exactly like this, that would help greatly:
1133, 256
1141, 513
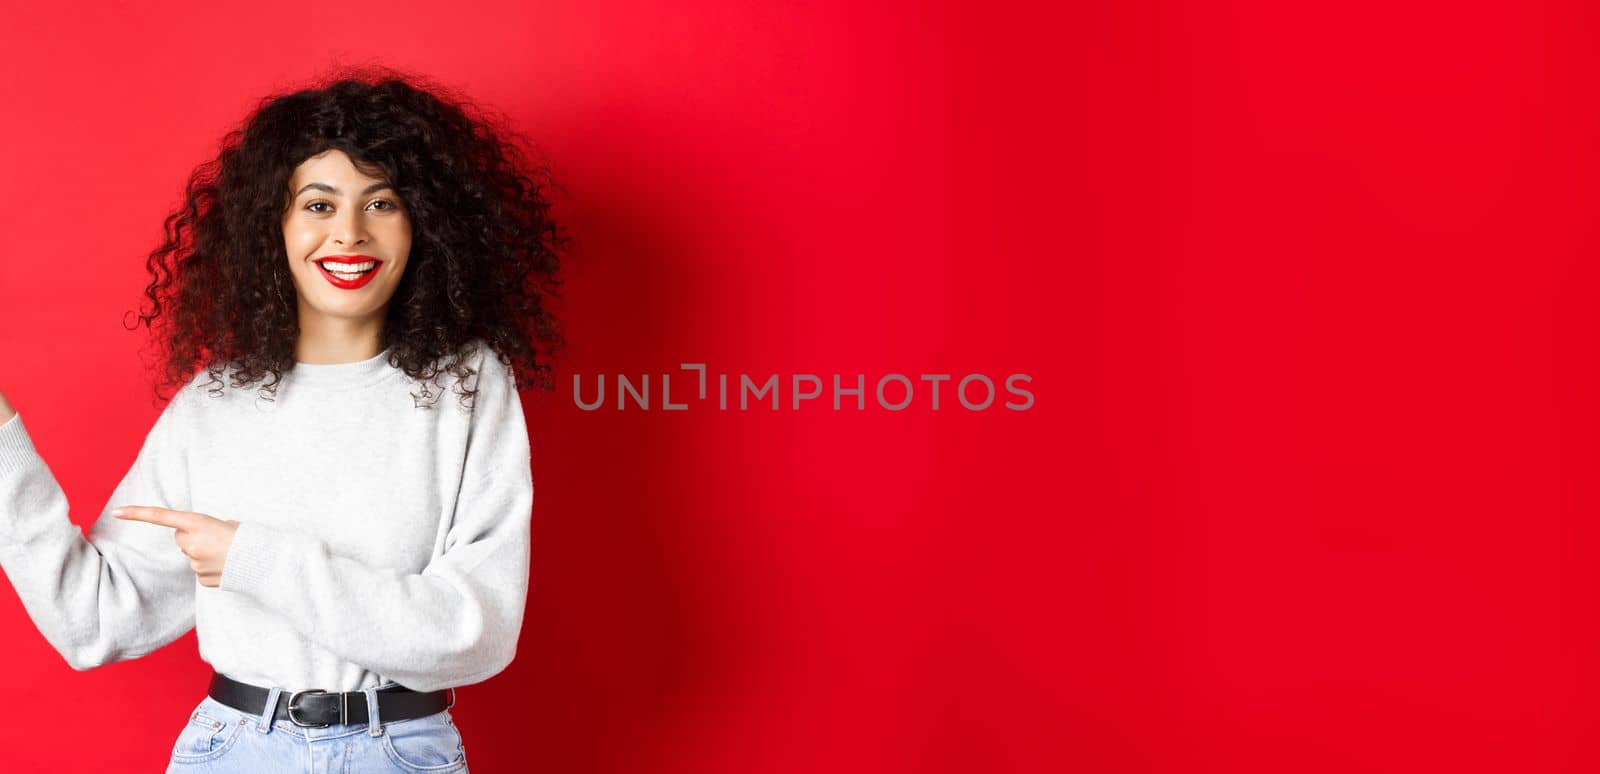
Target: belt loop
374, 725
271, 710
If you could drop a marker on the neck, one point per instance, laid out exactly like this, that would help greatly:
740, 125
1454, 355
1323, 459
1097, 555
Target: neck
338, 341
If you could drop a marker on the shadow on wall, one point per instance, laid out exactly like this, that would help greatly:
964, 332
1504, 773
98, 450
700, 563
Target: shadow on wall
612, 652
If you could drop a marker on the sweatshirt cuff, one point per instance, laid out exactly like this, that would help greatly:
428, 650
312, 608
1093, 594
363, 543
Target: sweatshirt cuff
16, 448
254, 554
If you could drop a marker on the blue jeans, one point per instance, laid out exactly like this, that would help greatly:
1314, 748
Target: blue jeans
220, 739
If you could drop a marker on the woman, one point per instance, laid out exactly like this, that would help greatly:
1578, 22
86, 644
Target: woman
349, 547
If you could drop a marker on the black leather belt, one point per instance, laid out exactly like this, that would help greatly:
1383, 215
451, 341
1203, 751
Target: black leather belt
318, 709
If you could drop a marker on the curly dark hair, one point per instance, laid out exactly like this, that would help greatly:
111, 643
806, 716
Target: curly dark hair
484, 255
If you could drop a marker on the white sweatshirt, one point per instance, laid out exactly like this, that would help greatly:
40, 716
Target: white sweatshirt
377, 541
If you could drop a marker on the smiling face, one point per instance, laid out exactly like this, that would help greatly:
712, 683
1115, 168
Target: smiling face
343, 219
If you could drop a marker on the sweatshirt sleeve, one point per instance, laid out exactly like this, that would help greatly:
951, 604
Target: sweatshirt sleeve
125, 589
454, 623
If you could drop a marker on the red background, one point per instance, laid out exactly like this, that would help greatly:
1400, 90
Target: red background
1305, 296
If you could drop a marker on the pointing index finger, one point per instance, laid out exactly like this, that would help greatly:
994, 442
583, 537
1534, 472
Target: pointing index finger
151, 514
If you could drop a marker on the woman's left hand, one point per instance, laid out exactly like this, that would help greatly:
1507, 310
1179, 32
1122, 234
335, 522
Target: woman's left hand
204, 539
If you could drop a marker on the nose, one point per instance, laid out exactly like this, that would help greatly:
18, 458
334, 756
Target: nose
349, 229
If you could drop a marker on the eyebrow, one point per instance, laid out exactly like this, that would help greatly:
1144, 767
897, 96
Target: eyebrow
375, 187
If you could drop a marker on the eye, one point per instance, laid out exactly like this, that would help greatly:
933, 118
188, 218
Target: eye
386, 205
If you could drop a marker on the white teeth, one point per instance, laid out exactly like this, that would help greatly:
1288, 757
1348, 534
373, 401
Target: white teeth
357, 267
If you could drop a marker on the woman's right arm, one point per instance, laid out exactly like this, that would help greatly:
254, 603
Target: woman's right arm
123, 591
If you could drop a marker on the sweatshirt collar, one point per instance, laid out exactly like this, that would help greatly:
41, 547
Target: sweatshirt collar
337, 375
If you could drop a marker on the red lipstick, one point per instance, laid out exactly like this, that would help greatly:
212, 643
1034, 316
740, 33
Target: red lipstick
348, 284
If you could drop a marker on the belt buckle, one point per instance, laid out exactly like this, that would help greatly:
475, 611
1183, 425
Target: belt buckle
297, 694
